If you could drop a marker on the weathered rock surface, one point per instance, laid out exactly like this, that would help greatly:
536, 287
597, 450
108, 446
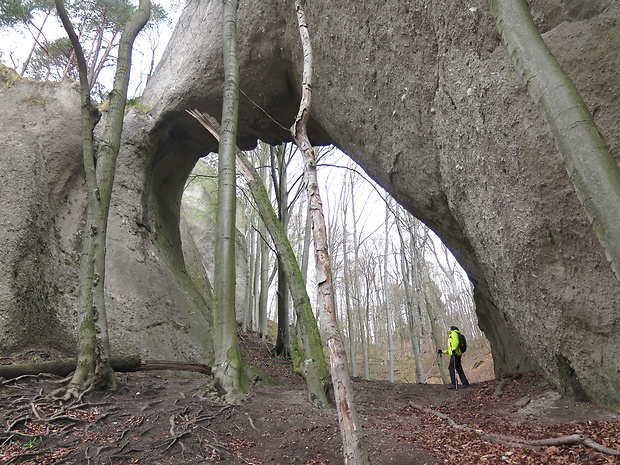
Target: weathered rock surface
421, 94
153, 306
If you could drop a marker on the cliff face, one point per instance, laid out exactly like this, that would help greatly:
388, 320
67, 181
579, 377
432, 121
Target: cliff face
422, 95
153, 306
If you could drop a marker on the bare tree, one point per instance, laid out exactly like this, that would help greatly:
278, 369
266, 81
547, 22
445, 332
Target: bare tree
386, 288
93, 364
414, 321
279, 179
228, 366
308, 338
350, 425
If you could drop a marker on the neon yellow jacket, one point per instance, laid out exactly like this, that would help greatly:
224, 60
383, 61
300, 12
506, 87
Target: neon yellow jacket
453, 343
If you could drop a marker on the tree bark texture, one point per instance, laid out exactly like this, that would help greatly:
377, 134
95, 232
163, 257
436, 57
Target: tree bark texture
278, 175
308, 338
93, 366
354, 448
228, 364
590, 165
386, 293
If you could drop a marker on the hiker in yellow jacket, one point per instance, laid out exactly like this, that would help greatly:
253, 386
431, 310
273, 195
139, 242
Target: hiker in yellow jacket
455, 358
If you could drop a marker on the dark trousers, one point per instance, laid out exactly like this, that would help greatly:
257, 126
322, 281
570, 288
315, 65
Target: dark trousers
455, 366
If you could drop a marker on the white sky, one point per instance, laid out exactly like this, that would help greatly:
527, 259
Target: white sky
15, 44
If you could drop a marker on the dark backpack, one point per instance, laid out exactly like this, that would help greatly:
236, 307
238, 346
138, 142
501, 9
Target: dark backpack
462, 343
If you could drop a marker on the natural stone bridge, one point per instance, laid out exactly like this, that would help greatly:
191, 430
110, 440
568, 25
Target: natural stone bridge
421, 94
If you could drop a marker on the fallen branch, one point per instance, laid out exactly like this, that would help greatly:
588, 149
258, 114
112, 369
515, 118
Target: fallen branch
176, 366
573, 439
127, 363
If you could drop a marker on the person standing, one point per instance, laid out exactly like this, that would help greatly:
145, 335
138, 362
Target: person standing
455, 353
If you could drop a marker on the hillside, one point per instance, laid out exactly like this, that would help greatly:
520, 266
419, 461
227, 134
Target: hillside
163, 419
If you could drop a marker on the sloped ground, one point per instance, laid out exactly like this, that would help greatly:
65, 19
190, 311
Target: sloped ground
163, 419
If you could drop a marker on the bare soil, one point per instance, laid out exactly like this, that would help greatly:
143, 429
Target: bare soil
163, 418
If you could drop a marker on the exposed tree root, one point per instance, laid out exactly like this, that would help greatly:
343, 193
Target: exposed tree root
536, 444
26, 455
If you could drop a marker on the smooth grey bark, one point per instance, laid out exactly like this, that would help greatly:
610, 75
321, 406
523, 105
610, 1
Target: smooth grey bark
251, 273
264, 251
313, 366
228, 368
279, 179
590, 165
347, 296
93, 361
386, 296
264, 286
413, 320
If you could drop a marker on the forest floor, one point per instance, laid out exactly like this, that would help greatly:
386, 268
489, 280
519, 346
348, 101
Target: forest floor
160, 418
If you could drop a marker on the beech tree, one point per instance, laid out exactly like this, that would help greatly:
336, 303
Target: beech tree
279, 178
591, 168
312, 364
93, 369
228, 367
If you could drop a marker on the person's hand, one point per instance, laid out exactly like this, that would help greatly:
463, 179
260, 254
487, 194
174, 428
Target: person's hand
439, 351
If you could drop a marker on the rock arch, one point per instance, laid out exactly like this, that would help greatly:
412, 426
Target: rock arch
422, 96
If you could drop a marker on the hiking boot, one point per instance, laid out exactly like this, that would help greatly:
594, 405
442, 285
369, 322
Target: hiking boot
452, 386
464, 386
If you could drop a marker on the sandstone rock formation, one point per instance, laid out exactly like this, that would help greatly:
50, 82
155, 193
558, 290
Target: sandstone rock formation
421, 94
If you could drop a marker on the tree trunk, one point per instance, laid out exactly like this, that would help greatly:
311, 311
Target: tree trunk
278, 176
414, 322
347, 298
362, 309
246, 324
350, 426
228, 369
264, 250
386, 292
93, 365
309, 341
590, 165
36, 40
264, 285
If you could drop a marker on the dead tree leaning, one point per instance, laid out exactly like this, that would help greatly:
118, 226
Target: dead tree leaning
352, 433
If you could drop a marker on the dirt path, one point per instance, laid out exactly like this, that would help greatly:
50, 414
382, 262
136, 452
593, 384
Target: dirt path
163, 419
